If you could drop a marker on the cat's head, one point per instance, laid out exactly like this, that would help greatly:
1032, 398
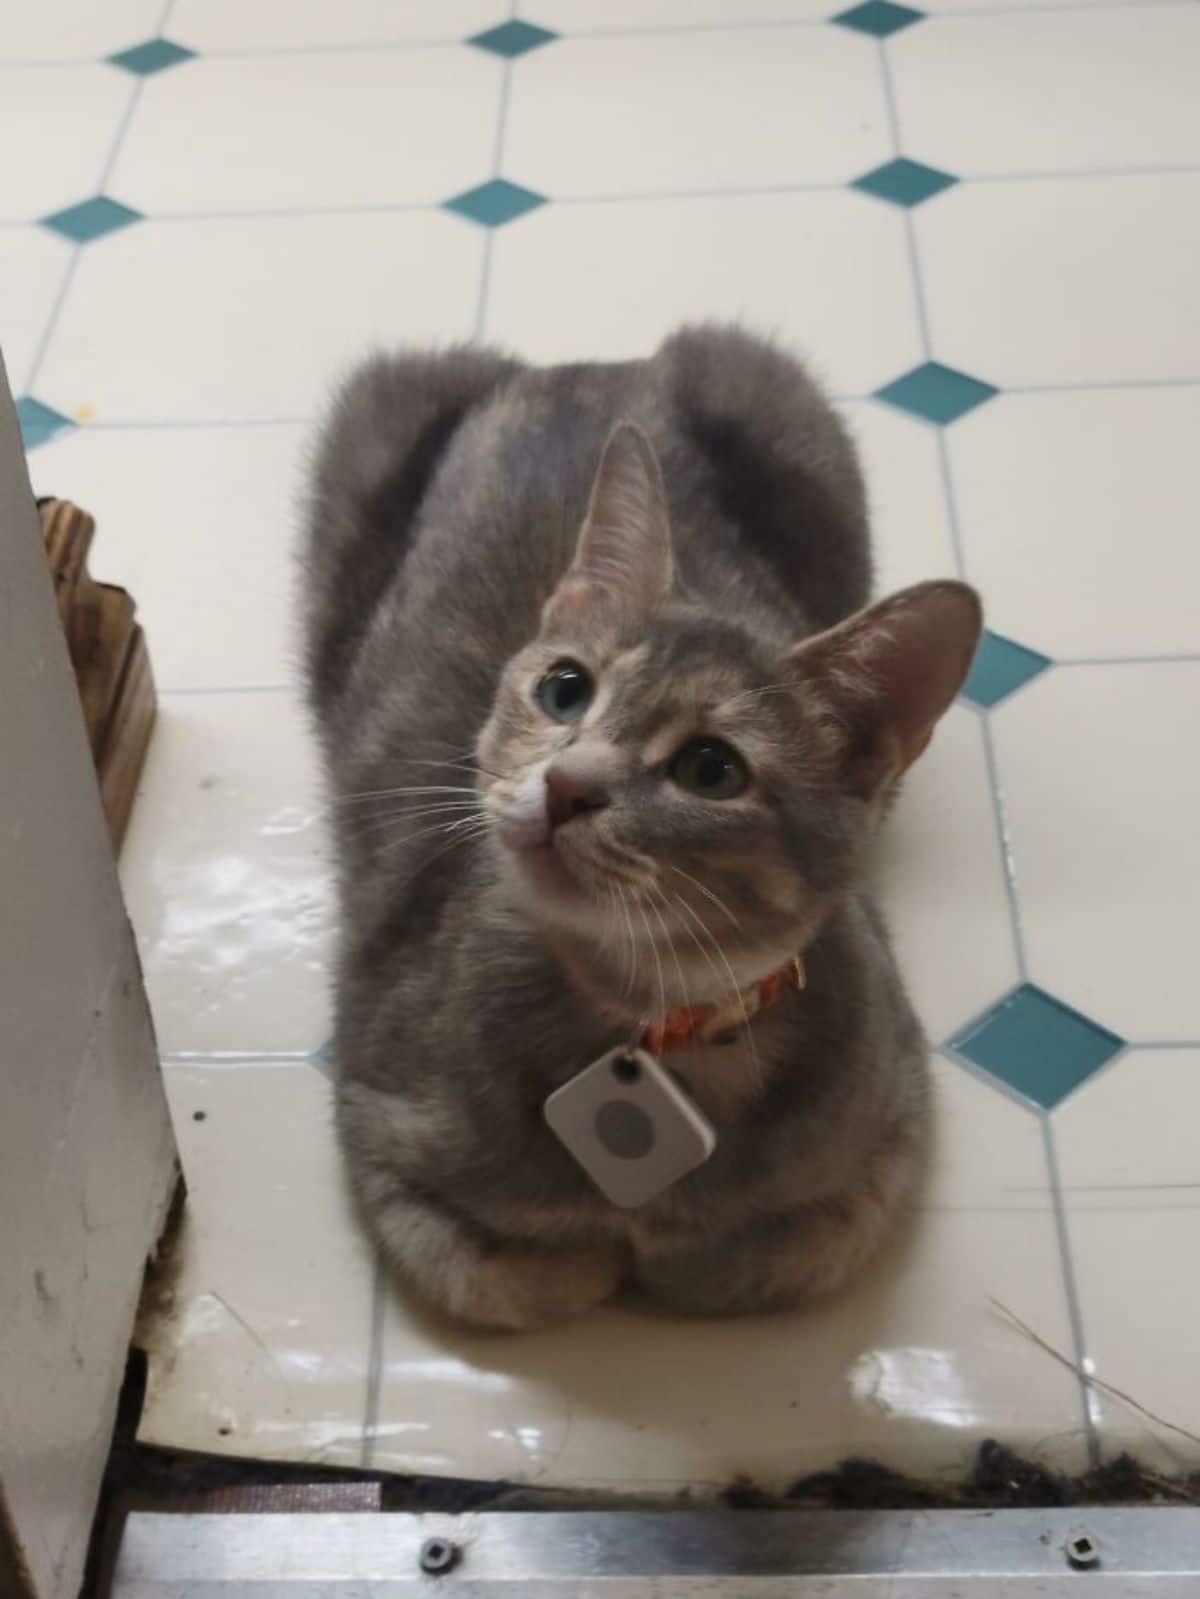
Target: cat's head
689, 795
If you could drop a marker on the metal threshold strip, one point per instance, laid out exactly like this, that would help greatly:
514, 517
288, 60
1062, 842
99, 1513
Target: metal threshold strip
1142, 1553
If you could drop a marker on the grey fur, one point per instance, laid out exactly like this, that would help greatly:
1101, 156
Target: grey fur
447, 502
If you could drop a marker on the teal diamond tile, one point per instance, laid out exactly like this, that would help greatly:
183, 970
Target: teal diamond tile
38, 422
937, 393
495, 203
155, 55
879, 18
1038, 1045
1000, 666
904, 182
512, 39
91, 219
322, 1059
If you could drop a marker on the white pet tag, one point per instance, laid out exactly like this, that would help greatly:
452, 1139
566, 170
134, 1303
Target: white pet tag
630, 1126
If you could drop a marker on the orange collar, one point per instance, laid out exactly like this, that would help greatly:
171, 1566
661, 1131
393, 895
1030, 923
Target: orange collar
700, 1024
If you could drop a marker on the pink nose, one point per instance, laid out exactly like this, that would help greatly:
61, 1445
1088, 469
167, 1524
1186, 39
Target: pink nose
568, 796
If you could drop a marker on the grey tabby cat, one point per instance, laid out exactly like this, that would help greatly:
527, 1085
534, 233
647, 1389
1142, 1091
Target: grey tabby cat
607, 730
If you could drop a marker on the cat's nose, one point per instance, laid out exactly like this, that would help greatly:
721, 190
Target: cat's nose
568, 795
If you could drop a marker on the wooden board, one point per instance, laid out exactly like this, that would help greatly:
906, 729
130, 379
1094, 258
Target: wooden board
110, 660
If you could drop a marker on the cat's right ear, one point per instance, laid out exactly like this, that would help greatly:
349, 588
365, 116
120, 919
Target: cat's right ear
622, 566
879, 681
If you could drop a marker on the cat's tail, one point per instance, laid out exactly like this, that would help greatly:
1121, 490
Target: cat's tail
383, 439
781, 464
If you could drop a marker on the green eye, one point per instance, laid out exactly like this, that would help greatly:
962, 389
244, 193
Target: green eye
710, 768
566, 691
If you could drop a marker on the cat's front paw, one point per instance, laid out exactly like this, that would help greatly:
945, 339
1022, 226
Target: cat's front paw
518, 1292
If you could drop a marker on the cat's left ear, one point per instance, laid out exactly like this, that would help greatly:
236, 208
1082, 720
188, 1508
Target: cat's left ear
880, 680
623, 564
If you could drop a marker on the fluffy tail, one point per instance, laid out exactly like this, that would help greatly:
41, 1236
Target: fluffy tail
386, 433
783, 467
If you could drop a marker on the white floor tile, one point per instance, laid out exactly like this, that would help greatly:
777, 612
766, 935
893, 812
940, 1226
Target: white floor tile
913, 1367
601, 16
628, 115
252, 317
1129, 1153
910, 525
62, 32
941, 879
972, 91
261, 1343
266, 25
70, 115
1077, 516
1083, 280
827, 272
199, 524
1102, 783
32, 266
340, 131
226, 876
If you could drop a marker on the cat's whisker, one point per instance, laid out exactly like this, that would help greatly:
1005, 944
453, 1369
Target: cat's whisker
399, 792
390, 819
465, 838
439, 827
683, 987
708, 894
631, 967
463, 766
662, 987
733, 982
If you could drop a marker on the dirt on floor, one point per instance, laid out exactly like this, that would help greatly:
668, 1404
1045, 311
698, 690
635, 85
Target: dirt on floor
141, 1477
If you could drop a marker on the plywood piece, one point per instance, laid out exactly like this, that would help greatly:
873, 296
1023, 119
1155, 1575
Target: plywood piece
109, 657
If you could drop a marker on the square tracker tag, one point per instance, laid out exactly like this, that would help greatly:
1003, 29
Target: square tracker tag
630, 1126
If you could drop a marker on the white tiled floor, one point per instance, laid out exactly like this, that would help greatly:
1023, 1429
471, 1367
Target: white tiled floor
696, 159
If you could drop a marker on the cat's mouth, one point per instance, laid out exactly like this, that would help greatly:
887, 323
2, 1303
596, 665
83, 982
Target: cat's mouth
553, 867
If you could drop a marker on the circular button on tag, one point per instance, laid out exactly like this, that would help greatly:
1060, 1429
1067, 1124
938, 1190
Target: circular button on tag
624, 1129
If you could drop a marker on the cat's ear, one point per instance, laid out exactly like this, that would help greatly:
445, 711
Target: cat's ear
622, 565
880, 680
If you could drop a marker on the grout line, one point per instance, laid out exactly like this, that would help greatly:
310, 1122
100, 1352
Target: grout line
105, 171
1004, 838
1086, 386
485, 269
652, 196
889, 98
1083, 1363
267, 52
274, 214
43, 344
134, 423
440, 42
502, 120
114, 149
374, 1366
485, 283
432, 42
1130, 660
1163, 1043
960, 564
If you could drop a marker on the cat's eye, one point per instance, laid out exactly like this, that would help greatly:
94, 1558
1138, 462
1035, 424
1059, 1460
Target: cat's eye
710, 768
566, 691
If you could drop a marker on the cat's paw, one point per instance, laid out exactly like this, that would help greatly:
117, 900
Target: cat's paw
518, 1292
